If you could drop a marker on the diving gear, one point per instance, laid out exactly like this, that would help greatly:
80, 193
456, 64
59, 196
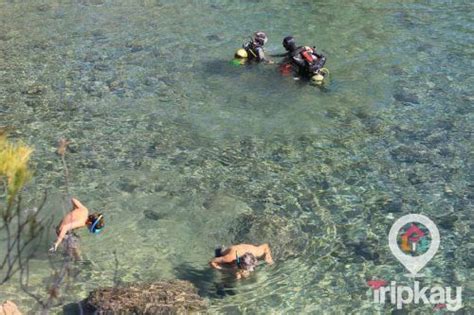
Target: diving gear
317, 79
241, 53
237, 260
94, 228
254, 47
320, 75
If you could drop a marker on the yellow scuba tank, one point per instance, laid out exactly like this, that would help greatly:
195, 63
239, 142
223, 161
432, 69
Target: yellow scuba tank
241, 53
240, 57
319, 77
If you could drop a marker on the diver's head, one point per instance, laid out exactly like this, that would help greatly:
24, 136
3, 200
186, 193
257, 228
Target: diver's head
247, 262
95, 223
289, 43
260, 38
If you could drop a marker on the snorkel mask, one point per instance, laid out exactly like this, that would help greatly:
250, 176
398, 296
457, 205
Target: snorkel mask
93, 227
237, 260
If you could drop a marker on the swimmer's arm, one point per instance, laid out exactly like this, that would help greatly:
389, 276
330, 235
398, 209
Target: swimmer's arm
268, 61
279, 55
262, 57
216, 262
267, 253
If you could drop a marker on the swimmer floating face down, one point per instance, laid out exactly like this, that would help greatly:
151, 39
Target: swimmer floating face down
245, 263
77, 218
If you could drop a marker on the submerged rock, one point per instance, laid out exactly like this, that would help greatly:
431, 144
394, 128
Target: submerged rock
470, 259
152, 215
153, 298
127, 186
410, 154
134, 46
214, 37
5, 37
366, 251
394, 205
35, 89
447, 221
397, 70
43, 7
406, 96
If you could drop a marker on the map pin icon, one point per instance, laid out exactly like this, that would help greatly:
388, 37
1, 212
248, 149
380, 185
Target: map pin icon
413, 264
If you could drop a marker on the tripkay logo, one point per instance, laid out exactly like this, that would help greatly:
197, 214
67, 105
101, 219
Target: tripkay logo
414, 240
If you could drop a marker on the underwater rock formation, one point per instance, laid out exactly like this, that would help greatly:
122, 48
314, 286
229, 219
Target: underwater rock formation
160, 297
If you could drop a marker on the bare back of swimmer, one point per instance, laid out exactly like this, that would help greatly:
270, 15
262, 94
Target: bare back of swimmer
242, 256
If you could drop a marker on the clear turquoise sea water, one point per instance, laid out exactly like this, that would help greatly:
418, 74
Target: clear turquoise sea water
183, 151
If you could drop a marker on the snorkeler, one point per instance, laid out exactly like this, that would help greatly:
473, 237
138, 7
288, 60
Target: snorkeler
77, 218
253, 49
307, 61
243, 256
9, 308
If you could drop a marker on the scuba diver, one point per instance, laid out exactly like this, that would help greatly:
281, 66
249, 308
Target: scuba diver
77, 218
242, 258
306, 60
253, 49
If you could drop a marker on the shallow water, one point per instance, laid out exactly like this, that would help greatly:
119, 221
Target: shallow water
184, 151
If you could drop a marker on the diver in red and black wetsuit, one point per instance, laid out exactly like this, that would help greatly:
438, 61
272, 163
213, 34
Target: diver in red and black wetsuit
305, 59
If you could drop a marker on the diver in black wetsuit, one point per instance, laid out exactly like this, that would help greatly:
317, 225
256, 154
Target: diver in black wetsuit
307, 61
254, 47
